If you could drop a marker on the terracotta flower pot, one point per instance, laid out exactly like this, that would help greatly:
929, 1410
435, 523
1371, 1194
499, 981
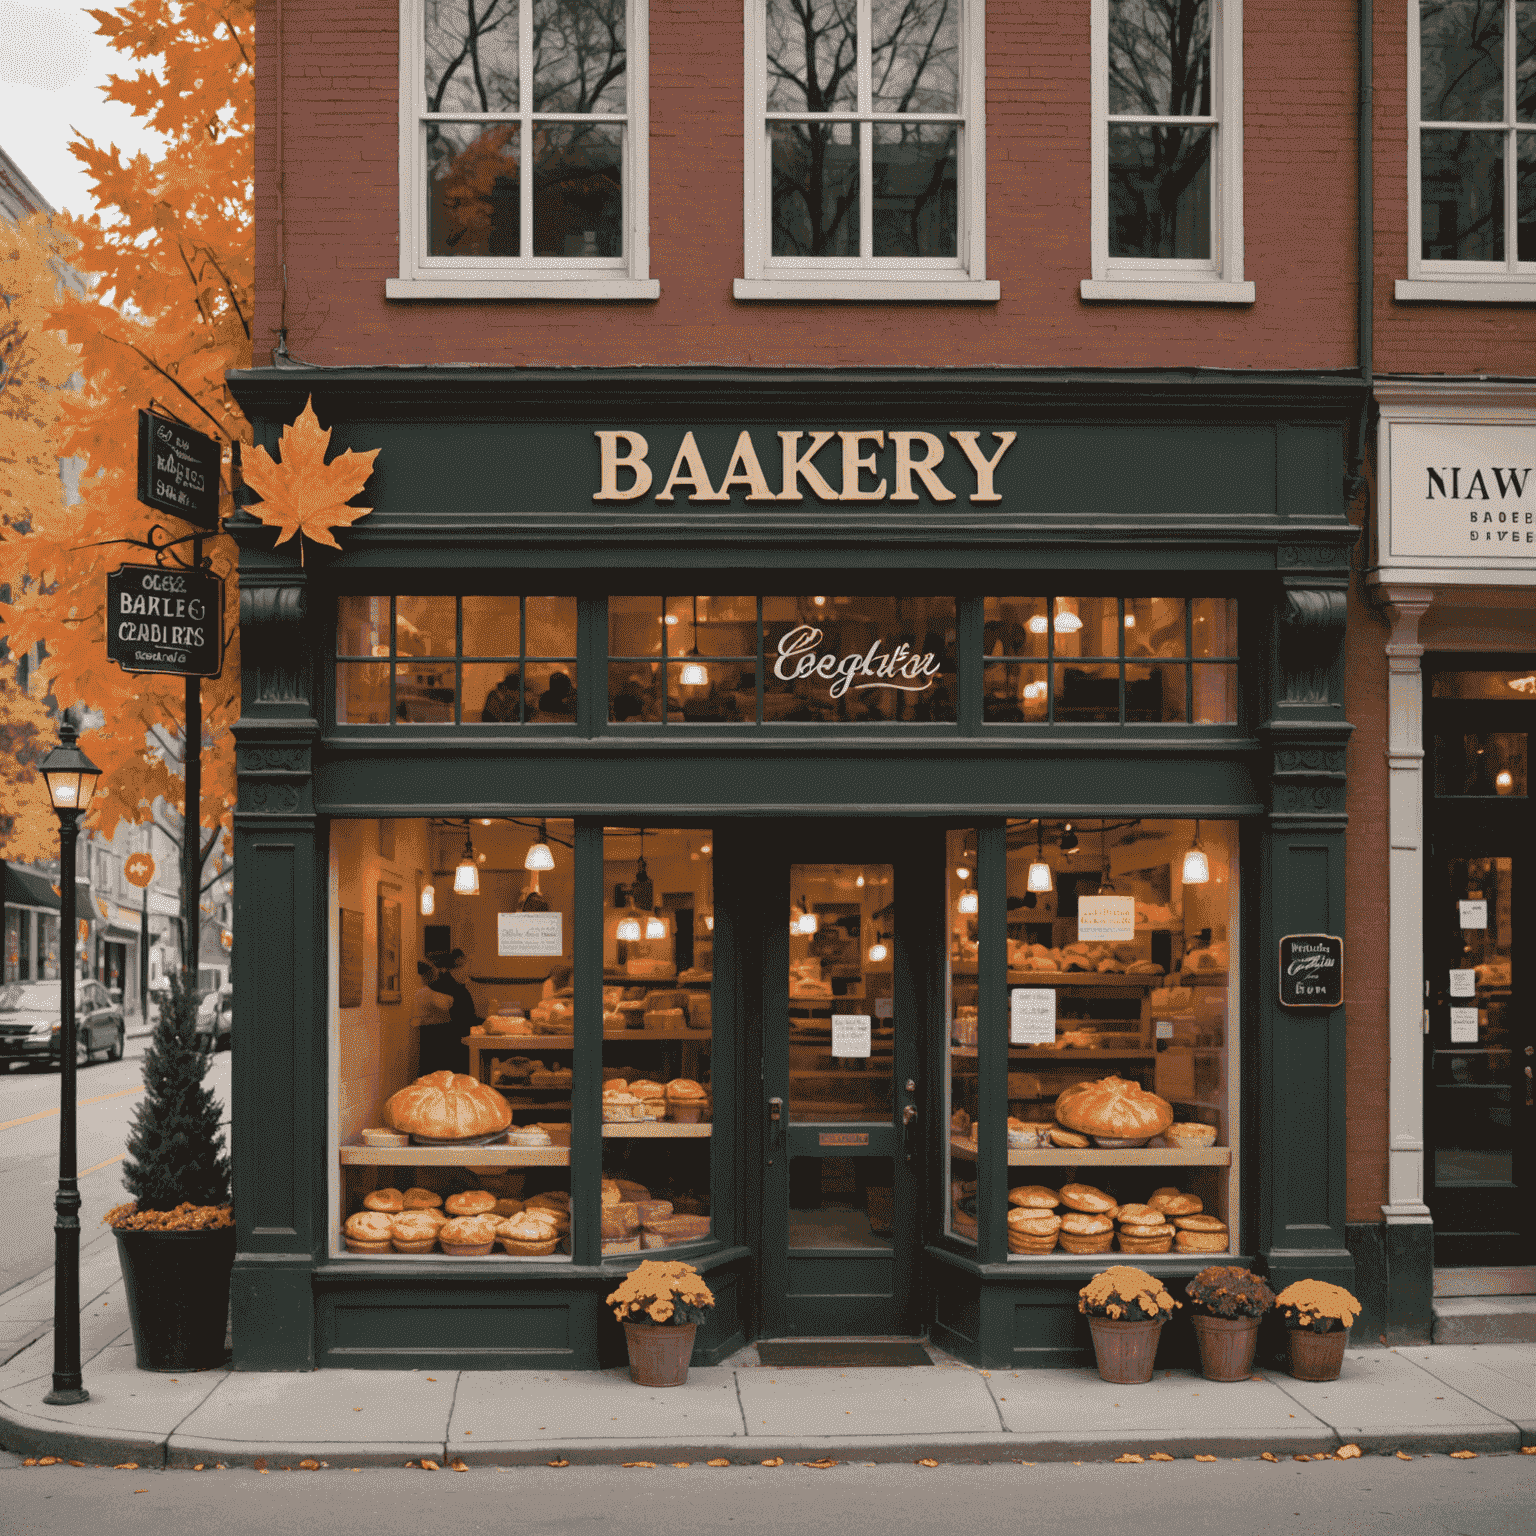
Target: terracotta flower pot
659, 1353
1124, 1351
1316, 1356
1226, 1346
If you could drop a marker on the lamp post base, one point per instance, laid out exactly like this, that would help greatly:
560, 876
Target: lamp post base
67, 1397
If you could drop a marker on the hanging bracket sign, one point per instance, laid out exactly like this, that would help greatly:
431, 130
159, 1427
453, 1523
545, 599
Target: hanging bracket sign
162, 619
179, 471
1311, 970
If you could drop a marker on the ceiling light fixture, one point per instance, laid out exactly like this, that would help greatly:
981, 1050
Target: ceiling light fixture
968, 905
878, 950
1197, 867
1069, 842
1106, 885
1039, 871
655, 928
540, 856
466, 877
428, 900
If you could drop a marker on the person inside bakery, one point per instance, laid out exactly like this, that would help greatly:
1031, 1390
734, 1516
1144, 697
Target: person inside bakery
442, 1047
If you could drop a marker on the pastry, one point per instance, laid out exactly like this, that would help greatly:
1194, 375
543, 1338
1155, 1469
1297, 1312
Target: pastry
621, 1220
1199, 1223
1200, 1242
1190, 1133
506, 1208
1097, 1242
1035, 1195
1036, 1223
666, 1018
629, 1244
448, 1106
652, 1210
434, 1213
367, 1232
551, 1199
468, 1236
1114, 1107
666, 1230
632, 1191
619, 1106
528, 1136
1062, 1137
473, 1202
1130, 1243
529, 1234
1135, 1215
418, 1199
611, 1194
1082, 1224
389, 1200
686, 1100
1173, 1203
1084, 1197
413, 1232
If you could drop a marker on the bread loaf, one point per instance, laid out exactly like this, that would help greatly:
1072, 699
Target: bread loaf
448, 1106
1115, 1107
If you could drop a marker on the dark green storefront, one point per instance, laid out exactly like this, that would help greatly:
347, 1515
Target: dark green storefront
1202, 486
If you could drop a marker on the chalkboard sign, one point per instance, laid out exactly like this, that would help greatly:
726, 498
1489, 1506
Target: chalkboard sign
1311, 970
161, 619
179, 471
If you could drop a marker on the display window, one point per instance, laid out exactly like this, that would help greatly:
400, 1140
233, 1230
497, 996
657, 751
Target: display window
962, 903
658, 1029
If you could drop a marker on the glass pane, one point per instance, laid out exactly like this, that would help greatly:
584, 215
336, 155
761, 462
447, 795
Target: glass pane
634, 691
916, 207
914, 55
1483, 685
962, 991
635, 626
551, 689
1215, 626
1160, 192
1160, 58
578, 55
491, 626
711, 692
657, 1033
1215, 695
859, 659
1463, 191
841, 1202
1154, 626
1493, 763
1525, 196
1087, 626
424, 626
471, 63
362, 694
712, 626
1154, 693
812, 56
424, 691
1013, 692
578, 198
472, 172
1088, 692
551, 626
815, 189
1525, 60
492, 694
362, 626
1461, 61
1014, 626
841, 939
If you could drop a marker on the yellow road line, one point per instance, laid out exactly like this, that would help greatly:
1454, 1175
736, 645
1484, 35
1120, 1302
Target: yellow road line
99, 1166
44, 1114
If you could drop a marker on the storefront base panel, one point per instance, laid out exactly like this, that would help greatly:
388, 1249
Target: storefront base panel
1394, 1281
272, 1314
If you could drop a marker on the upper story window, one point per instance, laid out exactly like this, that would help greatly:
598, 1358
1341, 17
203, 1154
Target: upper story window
1168, 152
1472, 151
523, 150
865, 160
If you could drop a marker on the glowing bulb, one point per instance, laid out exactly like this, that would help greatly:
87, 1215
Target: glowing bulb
968, 904
809, 923
671, 618
1038, 624
706, 847
628, 930
860, 882
1197, 868
1130, 621
485, 821
1504, 781
709, 922
961, 872
540, 856
1068, 623
655, 928
1039, 876
878, 951
1034, 690
428, 900
466, 878
820, 602
694, 675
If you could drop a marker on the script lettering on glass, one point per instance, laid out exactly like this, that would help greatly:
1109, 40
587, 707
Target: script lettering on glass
898, 667
161, 620
1311, 970
179, 471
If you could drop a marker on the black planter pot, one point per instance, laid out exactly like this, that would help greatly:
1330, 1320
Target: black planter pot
178, 1296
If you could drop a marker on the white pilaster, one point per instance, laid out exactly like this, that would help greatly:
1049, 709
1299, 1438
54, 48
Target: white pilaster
1406, 606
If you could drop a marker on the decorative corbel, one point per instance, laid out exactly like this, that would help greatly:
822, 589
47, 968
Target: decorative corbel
1311, 633
273, 653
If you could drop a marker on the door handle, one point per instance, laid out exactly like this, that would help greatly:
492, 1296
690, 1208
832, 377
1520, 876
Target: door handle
1528, 1103
909, 1130
775, 1126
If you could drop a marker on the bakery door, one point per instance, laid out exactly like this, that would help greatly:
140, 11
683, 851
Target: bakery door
842, 1132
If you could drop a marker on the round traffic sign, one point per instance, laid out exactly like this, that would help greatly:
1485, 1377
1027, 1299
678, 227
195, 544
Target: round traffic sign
139, 869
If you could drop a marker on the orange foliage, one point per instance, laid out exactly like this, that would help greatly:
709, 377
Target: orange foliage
301, 493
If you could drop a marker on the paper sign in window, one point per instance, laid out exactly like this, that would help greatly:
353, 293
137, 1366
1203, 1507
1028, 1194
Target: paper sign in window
1463, 983
1463, 1026
851, 1034
1032, 1016
530, 933
884, 1007
1474, 914
1106, 918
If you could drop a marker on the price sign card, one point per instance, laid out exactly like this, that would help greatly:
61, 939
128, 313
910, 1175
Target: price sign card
1463, 983
530, 933
851, 1034
1474, 914
1463, 1026
1032, 1016
1106, 918
885, 1007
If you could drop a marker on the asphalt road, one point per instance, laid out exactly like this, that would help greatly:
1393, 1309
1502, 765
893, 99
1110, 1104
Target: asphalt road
106, 1095
1374, 1496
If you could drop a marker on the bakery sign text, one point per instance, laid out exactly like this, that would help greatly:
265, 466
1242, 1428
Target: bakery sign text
866, 466
897, 667
1504, 517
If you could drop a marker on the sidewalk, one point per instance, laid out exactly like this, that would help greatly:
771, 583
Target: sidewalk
1431, 1399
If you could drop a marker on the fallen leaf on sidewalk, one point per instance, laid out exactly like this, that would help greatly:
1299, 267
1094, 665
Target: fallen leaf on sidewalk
308, 1465
1528, 1450
49, 1461
459, 1466
1463, 1455
559, 1463
77, 1463
1404, 1456
1129, 1456
141, 1490
126, 1466
429, 1466
31, 1461
260, 1463
719, 1461
1348, 1452
1161, 1456
198, 1467
820, 1464
1268, 1456
772, 1461
1205, 1458
637, 1463
927, 1461
682, 1463
1304, 1456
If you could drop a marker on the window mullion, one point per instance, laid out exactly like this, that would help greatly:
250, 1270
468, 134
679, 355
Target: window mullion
525, 128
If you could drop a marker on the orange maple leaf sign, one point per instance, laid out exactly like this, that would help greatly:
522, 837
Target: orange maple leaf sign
301, 493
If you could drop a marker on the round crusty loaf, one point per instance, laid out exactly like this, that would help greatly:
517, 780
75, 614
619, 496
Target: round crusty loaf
1129, 1243
1034, 1196
413, 1232
467, 1231
1135, 1215
1084, 1197
388, 1200
1082, 1224
1062, 1137
418, 1199
1200, 1242
367, 1232
1036, 1223
1198, 1223
686, 1089
448, 1106
1097, 1242
1173, 1203
1113, 1106
472, 1202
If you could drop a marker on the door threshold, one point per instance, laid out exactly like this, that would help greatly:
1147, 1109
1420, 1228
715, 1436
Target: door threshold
842, 1353
1487, 1280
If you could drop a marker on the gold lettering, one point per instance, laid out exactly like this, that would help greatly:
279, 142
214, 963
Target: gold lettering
634, 459
796, 464
852, 464
984, 466
689, 459
749, 473
924, 468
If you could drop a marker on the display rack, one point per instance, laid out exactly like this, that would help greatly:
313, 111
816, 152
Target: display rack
663, 1130
454, 1157
1103, 1157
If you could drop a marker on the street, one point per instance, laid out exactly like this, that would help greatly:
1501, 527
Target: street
1372, 1496
29, 1152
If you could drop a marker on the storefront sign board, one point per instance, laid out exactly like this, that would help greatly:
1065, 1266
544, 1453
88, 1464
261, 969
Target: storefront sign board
179, 471
1472, 914
1463, 983
1463, 1026
1311, 970
852, 1034
165, 620
1106, 919
530, 933
1032, 1016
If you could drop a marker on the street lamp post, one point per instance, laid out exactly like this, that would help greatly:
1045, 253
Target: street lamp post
71, 778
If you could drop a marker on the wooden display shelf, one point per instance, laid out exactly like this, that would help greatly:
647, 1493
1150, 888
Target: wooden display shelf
647, 1130
1104, 1157
666, 983
525, 1045
454, 1157
1068, 1054
1144, 980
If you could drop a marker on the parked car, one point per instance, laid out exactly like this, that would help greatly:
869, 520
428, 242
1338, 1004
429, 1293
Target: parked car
215, 1016
31, 1022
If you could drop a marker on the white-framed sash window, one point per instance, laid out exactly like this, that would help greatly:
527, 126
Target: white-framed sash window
865, 150
1167, 152
1471, 151
523, 157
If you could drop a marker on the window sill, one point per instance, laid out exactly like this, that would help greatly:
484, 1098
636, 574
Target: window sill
868, 290
600, 288
1165, 291
1451, 290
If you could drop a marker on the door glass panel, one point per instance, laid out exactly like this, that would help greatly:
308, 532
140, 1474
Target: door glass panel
1484, 685
1483, 763
841, 950
962, 905
841, 1202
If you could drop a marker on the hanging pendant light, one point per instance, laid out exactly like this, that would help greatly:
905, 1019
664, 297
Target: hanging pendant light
1197, 867
969, 904
1068, 842
655, 928
1067, 621
878, 950
428, 900
628, 930
694, 673
809, 922
643, 892
1106, 885
466, 877
1039, 871
540, 856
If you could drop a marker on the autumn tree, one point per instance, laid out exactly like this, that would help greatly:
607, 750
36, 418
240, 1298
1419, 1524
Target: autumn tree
170, 255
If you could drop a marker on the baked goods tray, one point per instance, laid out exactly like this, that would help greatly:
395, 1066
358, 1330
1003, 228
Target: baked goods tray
457, 1141
1103, 1157
655, 1129
454, 1157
